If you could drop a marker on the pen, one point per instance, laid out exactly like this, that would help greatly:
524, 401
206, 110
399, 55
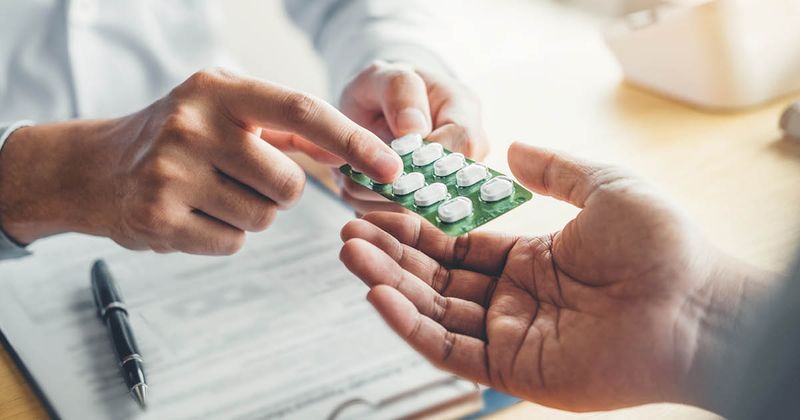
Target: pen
113, 313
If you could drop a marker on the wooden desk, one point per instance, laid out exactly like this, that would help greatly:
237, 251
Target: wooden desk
731, 172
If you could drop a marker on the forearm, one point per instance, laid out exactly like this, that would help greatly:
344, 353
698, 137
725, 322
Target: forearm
50, 175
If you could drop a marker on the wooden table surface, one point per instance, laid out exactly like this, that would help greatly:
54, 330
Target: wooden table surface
732, 172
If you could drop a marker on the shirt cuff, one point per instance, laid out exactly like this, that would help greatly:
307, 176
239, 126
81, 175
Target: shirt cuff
9, 248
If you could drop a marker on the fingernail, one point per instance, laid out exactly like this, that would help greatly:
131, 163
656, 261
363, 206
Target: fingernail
387, 162
412, 120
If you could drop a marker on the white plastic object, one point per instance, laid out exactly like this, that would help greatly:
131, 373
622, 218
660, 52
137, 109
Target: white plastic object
455, 209
497, 189
407, 144
408, 183
471, 175
449, 164
720, 55
431, 194
427, 154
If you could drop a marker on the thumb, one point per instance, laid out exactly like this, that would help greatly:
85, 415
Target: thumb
556, 174
404, 102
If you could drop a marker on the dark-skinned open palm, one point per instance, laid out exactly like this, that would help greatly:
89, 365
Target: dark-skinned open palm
604, 313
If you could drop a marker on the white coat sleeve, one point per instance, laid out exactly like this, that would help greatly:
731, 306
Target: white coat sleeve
350, 34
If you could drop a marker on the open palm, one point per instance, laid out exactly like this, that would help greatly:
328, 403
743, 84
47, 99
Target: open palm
601, 314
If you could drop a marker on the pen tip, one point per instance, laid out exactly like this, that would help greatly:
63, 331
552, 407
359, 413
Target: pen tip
139, 393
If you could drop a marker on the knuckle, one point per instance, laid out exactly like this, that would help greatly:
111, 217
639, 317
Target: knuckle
157, 173
352, 143
289, 185
160, 248
440, 305
264, 217
300, 108
374, 68
402, 79
376, 65
178, 125
151, 218
609, 178
202, 81
448, 344
208, 77
228, 245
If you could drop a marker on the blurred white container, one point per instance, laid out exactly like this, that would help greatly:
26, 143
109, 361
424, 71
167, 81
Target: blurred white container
723, 54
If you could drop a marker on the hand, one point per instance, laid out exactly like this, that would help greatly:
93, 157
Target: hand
392, 100
192, 172
626, 305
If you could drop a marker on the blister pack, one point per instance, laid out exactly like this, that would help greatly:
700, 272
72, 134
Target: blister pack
452, 192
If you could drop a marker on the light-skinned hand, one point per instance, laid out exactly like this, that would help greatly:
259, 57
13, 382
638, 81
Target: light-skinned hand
192, 172
394, 99
625, 305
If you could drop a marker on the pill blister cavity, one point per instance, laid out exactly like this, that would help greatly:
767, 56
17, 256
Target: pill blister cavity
427, 154
431, 194
449, 164
471, 175
408, 183
497, 189
455, 209
407, 144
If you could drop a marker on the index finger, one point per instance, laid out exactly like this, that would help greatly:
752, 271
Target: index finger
256, 103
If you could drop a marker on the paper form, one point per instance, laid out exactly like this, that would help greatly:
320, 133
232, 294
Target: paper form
280, 330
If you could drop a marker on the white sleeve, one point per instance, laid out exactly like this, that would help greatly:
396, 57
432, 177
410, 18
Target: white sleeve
9, 248
350, 34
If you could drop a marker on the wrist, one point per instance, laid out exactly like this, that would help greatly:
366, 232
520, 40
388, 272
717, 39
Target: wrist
723, 315
50, 177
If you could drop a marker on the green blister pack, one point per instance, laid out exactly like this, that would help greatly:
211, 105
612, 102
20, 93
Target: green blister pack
452, 192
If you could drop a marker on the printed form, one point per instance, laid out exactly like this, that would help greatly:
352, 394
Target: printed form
279, 330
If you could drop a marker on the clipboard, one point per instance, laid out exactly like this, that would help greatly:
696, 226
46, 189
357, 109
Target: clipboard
351, 367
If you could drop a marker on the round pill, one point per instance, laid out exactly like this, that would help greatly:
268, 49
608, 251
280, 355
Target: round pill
497, 189
790, 121
408, 183
449, 164
455, 209
431, 194
471, 175
427, 154
407, 144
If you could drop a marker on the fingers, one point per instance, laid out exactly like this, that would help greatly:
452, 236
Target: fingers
457, 116
458, 139
404, 101
364, 200
374, 267
479, 251
360, 192
290, 142
461, 284
254, 103
456, 353
259, 165
234, 203
397, 91
363, 207
203, 235
556, 174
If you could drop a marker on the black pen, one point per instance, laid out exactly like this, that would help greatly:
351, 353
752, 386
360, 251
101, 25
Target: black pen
112, 311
